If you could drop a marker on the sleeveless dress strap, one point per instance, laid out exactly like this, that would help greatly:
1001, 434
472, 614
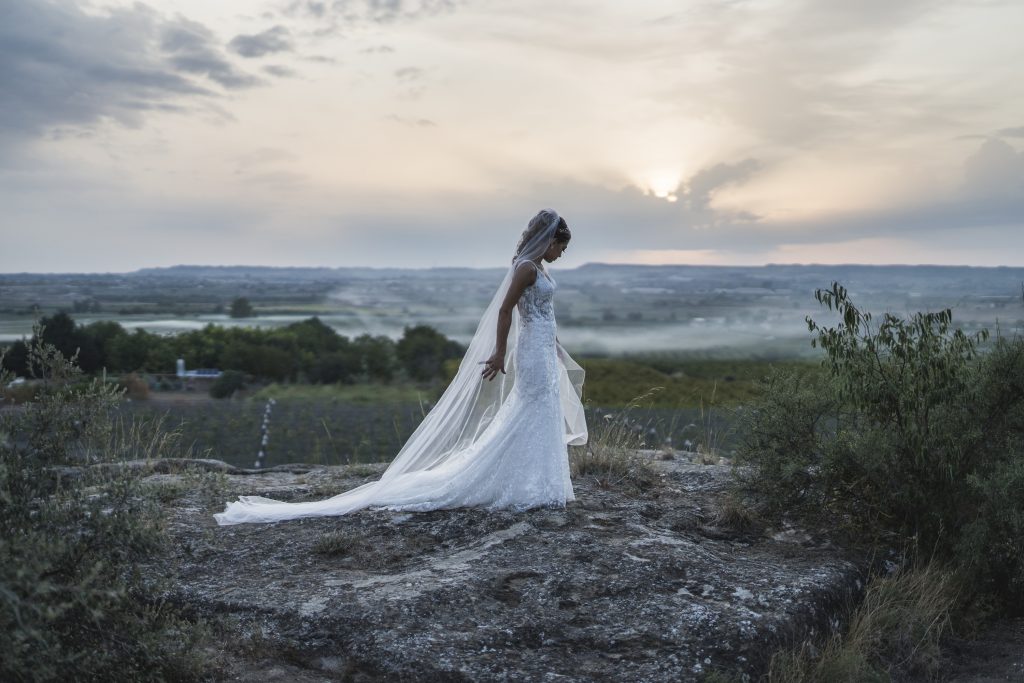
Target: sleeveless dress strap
536, 269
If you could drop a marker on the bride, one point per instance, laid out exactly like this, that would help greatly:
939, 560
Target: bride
497, 438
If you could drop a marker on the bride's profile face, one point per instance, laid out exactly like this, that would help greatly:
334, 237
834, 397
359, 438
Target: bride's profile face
554, 251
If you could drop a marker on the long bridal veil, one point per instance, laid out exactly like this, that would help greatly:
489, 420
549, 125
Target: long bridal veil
461, 415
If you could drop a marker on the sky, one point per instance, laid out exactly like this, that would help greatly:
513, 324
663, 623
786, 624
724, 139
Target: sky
427, 132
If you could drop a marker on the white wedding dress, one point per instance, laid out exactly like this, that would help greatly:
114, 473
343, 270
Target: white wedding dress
517, 460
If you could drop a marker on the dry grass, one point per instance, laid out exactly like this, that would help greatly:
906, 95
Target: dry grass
707, 444
341, 545
610, 455
894, 633
736, 513
134, 437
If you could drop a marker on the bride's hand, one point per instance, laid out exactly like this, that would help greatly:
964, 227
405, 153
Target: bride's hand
492, 365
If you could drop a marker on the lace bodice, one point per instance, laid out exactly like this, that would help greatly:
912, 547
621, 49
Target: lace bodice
537, 300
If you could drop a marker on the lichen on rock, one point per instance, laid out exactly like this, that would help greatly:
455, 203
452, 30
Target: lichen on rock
618, 585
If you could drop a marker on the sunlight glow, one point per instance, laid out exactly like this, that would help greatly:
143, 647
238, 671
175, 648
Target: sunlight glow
663, 185
673, 257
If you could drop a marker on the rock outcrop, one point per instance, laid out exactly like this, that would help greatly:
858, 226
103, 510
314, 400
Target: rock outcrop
626, 585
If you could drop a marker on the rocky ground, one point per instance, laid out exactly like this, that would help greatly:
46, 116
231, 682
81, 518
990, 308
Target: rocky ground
995, 654
665, 582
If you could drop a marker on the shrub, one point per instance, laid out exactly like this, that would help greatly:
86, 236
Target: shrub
73, 605
227, 384
911, 434
134, 386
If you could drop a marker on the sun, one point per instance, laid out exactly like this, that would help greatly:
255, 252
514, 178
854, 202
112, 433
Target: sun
663, 185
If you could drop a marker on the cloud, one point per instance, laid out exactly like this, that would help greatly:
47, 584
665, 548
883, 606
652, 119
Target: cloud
192, 47
797, 74
63, 67
409, 73
334, 15
279, 71
276, 39
702, 186
1017, 132
265, 155
419, 123
990, 201
412, 77
995, 169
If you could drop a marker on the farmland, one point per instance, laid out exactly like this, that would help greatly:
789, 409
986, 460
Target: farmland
329, 432
335, 432
690, 404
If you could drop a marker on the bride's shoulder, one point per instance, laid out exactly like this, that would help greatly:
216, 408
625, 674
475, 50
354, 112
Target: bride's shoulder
527, 268
524, 275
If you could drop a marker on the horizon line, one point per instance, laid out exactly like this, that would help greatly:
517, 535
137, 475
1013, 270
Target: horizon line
496, 267
584, 265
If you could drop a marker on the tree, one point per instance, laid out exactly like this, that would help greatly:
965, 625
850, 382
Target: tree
70, 339
423, 350
16, 359
377, 356
241, 308
103, 333
314, 335
257, 359
128, 353
59, 330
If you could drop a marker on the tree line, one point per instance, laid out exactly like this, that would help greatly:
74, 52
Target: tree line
305, 351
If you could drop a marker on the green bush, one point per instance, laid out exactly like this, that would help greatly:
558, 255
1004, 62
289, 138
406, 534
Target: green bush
227, 384
73, 605
912, 435
422, 351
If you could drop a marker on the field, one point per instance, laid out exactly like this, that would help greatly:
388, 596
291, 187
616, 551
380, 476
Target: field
685, 403
329, 432
682, 381
341, 432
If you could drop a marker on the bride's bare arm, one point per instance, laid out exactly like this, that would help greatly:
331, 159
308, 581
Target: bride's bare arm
524, 276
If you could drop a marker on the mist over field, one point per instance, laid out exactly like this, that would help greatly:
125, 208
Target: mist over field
602, 309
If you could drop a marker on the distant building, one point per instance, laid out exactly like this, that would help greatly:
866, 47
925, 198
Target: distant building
203, 373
